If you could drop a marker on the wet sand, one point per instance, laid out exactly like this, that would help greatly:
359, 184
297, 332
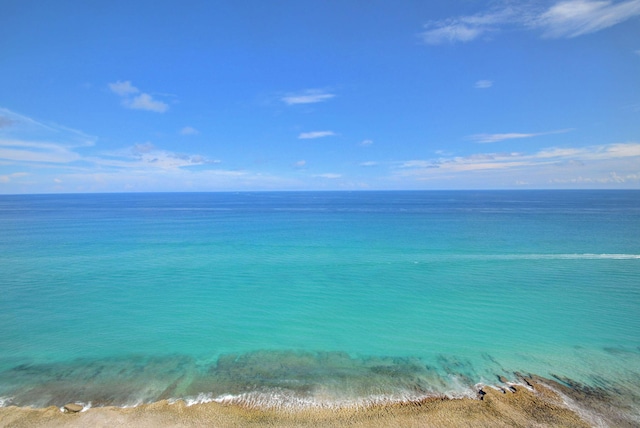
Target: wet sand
538, 403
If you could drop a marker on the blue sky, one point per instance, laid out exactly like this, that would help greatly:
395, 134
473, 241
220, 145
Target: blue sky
112, 96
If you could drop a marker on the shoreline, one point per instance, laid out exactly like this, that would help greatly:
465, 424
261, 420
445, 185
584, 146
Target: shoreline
535, 402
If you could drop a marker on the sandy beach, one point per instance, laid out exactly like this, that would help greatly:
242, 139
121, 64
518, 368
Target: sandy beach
538, 402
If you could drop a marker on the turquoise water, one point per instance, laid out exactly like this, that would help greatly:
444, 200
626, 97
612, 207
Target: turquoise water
315, 297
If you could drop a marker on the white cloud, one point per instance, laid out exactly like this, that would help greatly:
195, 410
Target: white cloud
301, 163
483, 84
611, 151
123, 88
142, 101
147, 156
366, 143
309, 96
369, 163
315, 134
612, 177
494, 138
329, 175
36, 151
570, 18
10, 177
177, 179
19, 127
467, 28
577, 17
39, 158
24, 139
188, 130
146, 102
417, 164
452, 32
563, 158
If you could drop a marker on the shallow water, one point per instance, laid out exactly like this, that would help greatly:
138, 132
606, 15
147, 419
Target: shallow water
323, 297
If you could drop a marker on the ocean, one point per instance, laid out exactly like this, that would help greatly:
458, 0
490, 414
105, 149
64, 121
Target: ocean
316, 298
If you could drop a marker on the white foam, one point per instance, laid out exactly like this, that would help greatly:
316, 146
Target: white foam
282, 399
5, 401
199, 399
85, 406
585, 256
585, 414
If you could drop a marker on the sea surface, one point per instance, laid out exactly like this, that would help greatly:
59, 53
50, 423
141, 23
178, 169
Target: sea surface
316, 298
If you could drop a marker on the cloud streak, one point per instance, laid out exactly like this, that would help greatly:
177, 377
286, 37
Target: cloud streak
329, 175
315, 134
578, 17
310, 96
147, 156
36, 151
483, 84
591, 156
10, 177
494, 138
25, 140
564, 19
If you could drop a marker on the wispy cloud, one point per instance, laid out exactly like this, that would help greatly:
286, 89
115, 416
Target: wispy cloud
123, 88
369, 163
568, 19
366, 143
591, 160
419, 164
612, 177
36, 151
577, 17
483, 84
21, 127
146, 102
25, 140
37, 158
300, 164
10, 177
494, 138
315, 134
188, 130
468, 28
133, 98
451, 31
329, 175
309, 96
150, 157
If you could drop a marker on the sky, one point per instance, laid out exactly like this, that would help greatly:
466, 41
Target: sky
146, 96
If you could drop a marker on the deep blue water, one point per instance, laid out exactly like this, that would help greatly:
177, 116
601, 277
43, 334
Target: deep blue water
338, 296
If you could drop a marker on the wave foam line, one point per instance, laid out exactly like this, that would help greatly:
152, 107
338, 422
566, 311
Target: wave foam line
287, 400
586, 256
